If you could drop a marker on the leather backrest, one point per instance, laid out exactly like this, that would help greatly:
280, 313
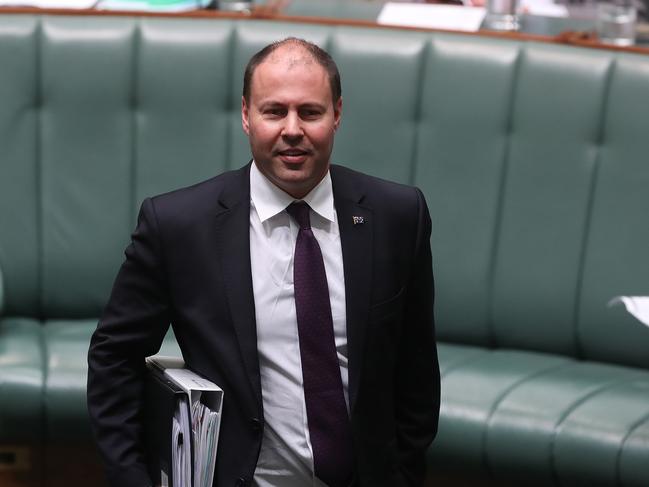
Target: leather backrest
20, 235
531, 156
101, 112
379, 126
462, 149
555, 125
615, 260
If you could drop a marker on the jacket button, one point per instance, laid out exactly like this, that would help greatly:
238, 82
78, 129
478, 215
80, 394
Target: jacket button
241, 482
255, 424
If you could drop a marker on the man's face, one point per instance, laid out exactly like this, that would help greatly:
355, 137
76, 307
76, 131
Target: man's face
291, 119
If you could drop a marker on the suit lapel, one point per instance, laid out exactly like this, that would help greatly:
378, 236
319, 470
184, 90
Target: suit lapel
233, 250
356, 230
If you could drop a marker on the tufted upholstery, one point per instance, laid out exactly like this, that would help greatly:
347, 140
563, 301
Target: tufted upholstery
2, 292
532, 157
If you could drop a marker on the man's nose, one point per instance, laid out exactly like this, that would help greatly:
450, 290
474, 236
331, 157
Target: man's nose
292, 127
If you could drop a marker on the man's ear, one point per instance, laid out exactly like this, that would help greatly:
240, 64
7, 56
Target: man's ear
244, 116
338, 111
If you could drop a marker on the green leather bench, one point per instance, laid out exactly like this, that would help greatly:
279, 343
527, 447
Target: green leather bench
534, 160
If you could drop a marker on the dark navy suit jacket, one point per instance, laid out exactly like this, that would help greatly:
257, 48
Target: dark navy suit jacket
188, 265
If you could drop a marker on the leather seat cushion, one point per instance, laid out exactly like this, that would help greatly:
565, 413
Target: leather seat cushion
513, 414
66, 348
21, 381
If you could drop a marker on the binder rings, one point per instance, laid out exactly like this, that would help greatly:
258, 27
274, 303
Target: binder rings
182, 420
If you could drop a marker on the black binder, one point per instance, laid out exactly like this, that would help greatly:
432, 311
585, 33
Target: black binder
169, 385
161, 397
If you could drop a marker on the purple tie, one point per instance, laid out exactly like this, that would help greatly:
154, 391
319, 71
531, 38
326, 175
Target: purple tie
329, 426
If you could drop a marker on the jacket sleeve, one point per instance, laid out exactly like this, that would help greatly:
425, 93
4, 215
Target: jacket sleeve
418, 386
132, 327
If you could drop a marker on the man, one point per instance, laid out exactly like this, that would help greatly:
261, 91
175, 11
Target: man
303, 289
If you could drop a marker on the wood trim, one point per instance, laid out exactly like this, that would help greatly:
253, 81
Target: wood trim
14, 458
577, 39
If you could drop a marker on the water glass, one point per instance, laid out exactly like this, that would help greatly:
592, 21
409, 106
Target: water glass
616, 22
244, 6
502, 15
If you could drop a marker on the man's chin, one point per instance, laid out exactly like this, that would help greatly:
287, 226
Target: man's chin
294, 178
296, 182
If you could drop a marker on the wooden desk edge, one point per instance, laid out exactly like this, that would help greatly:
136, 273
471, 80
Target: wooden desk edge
578, 39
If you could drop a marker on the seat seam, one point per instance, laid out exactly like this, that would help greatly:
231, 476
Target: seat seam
40, 186
472, 358
45, 425
618, 456
581, 264
424, 57
134, 107
230, 106
609, 385
500, 201
503, 395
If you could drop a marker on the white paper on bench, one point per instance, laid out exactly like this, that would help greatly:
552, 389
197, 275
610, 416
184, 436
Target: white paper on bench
638, 306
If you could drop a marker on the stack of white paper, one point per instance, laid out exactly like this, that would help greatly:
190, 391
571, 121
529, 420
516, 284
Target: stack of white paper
181, 445
205, 429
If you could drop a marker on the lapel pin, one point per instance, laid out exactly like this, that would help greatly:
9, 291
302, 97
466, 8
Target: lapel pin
358, 220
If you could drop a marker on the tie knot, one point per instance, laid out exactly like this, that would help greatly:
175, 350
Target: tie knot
299, 210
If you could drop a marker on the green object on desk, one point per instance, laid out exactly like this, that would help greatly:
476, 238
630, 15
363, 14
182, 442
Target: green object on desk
153, 5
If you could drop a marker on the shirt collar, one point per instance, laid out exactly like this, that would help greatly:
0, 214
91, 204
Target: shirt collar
269, 200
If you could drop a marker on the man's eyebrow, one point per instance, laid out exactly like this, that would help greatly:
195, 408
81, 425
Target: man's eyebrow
270, 104
312, 106
275, 104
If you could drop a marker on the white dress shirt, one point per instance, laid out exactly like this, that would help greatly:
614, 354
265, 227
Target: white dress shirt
286, 458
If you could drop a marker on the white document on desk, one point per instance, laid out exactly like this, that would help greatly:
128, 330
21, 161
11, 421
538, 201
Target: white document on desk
447, 17
71, 4
544, 8
638, 306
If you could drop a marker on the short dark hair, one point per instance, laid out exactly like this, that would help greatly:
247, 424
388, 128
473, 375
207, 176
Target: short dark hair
319, 55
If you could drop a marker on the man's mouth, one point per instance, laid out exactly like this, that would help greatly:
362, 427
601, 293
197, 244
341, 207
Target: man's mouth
293, 155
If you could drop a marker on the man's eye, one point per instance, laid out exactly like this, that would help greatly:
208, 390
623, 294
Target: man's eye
310, 114
275, 112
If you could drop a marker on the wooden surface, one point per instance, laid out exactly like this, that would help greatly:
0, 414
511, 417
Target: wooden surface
579, 39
